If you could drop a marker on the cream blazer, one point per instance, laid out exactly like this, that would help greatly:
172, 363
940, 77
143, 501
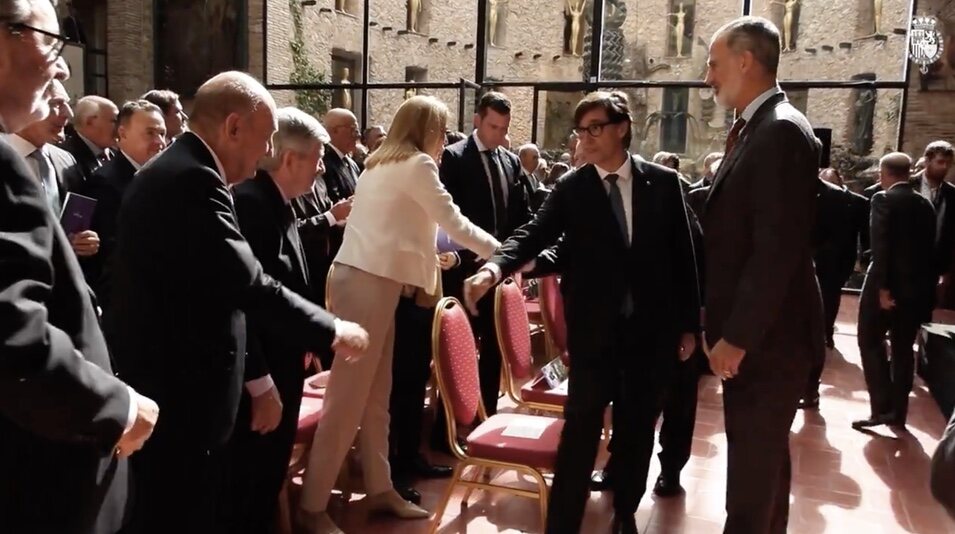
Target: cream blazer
393, 226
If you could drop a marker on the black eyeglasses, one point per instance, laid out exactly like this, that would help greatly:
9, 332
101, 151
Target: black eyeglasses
595, 129
53, 41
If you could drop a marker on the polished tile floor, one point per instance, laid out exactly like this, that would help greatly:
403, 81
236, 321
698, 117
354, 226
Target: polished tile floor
844, 481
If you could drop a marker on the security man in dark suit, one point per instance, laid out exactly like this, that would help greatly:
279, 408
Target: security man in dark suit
899, 290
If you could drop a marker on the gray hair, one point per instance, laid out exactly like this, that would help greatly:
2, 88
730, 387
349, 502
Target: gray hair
529, 147
89, 107
297, 130
755, 35
18, 11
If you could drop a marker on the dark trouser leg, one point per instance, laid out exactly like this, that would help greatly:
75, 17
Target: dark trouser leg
410, 372
904, 328
587, 398
873, 325
489, 365
831, 298
759, 406
679, 418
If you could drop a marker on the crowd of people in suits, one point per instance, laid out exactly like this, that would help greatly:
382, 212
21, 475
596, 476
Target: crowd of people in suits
153, 363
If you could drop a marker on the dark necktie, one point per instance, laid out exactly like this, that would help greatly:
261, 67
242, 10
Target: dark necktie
616, 205
500, 208
47, 178
733, 136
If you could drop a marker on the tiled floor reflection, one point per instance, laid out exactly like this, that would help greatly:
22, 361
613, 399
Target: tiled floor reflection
843, 481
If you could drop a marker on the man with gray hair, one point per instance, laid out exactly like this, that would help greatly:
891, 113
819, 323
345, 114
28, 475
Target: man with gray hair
91, 136
762, 299
268, 411
67, 423
185, 281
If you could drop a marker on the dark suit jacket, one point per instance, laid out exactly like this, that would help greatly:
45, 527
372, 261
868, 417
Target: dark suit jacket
69, 177
338, 180
842, 224
61, 409
318, 236
108, 186
658, 266
761, 289
183, 279
903, 238
463, 175
87, 161
269, 225
943, 470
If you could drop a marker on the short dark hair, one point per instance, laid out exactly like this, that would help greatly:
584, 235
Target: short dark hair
939, 148
164, 99
453, 137
132, 107
614, 103
757, 35
493, 100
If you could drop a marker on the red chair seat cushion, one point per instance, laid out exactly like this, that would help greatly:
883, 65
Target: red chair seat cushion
309, 415
309, 390
488, 442
538, 391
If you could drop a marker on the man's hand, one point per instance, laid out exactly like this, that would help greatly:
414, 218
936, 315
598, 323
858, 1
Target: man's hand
146, 416
687, 346
266, 411
342, 209
447, 260
886, 302
475, 288
85, 243
351, 341
725, 359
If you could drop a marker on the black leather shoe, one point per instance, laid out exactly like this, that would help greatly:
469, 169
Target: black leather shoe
425, 469
626, 524
875, 420
809, 402
668, 486
409, 494
601, 481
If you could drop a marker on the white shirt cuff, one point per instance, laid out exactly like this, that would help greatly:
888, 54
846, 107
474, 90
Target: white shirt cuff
338, 330
133, 411
493, 269
332, 221
259, 386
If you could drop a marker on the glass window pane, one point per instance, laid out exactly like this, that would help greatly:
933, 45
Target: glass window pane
640, 37
436, 36
313, 101
555, 112
839, 40
383, 103
537, 41
314, 43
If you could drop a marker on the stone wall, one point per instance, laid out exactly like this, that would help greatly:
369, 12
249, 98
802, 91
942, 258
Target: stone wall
129, 35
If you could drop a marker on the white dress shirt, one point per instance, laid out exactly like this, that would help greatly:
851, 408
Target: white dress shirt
131, 161
753, 106
487, 170
926, 189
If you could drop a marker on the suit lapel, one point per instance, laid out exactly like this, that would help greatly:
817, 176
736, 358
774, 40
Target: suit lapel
601, 199
640, 201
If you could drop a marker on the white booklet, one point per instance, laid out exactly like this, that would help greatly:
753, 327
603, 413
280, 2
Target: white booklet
527, 429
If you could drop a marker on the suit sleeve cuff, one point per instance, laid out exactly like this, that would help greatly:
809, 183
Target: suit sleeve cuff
332, 221
133, 411
494, 269
259, 386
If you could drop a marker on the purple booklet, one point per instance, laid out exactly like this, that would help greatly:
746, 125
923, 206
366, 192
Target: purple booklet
77, 214
446, 244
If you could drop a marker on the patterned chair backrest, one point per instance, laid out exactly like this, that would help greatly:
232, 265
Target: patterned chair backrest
513, 328
552, 311
455, 357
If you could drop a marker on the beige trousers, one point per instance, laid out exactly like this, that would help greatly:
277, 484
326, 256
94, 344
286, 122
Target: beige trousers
357, 397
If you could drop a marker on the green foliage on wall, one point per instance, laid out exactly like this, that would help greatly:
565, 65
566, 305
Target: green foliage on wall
313, 101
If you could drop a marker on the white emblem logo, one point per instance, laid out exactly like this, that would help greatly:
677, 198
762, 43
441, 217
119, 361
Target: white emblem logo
925, 42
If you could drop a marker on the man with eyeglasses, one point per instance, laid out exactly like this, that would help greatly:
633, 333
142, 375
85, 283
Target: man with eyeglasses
632, 303
67, 423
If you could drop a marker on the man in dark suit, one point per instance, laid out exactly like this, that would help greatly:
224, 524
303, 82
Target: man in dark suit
931, 184
183, 280
898, 292
943, 470
67, 423
173, 115
630, 321
708, 171
483, 179
91, 136
261, 446
842, 223
53, 167
341, 171
763, 308
142, 134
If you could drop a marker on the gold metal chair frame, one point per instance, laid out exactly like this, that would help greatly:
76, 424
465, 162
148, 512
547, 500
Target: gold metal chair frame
511, 387
464, 460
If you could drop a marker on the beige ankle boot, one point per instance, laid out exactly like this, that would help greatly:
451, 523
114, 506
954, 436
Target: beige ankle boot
392, 503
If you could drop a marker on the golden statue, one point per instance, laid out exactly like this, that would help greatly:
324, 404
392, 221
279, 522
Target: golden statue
877, 15
340, 5
410, 92
679, 28
493, 8
346, 92
575, 10
414, 11
790, 6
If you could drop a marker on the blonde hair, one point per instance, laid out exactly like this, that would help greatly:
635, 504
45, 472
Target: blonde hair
419, 121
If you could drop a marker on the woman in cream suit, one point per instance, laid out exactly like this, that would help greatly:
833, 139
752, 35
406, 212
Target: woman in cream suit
389, 245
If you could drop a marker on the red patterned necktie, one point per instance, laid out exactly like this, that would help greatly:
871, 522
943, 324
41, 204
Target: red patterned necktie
733, 136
